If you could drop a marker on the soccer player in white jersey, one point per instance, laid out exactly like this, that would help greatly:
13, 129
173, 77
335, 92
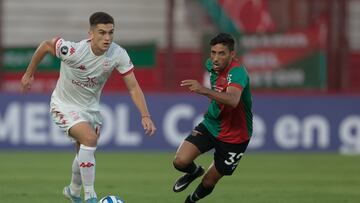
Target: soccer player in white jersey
85, 67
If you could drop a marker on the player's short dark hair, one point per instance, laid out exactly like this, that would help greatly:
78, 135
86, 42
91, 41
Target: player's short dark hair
225, 39
100, 18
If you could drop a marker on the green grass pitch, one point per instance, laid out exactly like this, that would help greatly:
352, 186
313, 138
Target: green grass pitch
38, 177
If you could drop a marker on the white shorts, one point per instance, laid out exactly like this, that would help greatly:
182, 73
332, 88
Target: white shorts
66, 116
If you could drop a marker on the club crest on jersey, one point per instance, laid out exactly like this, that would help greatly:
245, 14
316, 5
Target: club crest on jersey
72, 51
64, 50
222, 81
106, 66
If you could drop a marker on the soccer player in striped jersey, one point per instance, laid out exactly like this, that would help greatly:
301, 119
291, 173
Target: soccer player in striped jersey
85, 67
227, 124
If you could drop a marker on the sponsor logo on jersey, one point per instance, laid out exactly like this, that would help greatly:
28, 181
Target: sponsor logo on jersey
90, 82
64, 50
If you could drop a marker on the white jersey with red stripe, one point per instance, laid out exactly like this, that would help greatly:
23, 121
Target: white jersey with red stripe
83, 74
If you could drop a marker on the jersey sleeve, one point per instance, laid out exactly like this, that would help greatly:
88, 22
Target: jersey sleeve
125, 65
238, 77
65, 50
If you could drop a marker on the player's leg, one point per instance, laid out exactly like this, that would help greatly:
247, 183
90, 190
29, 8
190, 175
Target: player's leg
87, 137
184, 162
76, 183
210, 179
64, 120
189, 150
226, 159
185, 156
73, 191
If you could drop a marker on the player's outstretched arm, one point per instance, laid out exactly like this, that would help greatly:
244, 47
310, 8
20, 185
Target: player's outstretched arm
138, 98
231, 97
47, 46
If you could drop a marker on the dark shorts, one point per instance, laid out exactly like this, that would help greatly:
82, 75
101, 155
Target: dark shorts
226, 155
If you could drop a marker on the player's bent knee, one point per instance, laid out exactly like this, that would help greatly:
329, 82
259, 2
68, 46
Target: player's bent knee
180, 163
90, 141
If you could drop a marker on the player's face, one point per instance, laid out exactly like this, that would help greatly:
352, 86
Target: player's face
101, 37
220, 56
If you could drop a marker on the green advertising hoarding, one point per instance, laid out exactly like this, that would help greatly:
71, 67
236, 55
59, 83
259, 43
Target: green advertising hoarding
17, 59
295, 59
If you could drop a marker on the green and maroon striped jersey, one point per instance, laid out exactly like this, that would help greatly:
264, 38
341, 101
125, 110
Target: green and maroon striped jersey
228, 124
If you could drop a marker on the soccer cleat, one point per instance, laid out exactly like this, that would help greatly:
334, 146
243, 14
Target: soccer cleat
67, 194
188, 200
91, 200
184, 181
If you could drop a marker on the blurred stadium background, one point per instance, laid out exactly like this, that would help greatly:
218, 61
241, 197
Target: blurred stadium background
303, 57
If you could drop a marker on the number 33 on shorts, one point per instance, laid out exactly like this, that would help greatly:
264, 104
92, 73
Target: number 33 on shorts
233, 159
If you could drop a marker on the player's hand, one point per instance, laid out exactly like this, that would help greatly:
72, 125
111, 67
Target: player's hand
26, 82
193, 86
148, 125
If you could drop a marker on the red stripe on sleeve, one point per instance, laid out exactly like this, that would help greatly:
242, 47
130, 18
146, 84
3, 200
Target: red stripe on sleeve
236, 85
128, 72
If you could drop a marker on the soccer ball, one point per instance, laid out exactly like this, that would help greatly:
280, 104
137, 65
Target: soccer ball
111, 199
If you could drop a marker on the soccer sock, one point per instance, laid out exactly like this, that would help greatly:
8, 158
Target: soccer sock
75, 184
200, 192
86, 159
188, 169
